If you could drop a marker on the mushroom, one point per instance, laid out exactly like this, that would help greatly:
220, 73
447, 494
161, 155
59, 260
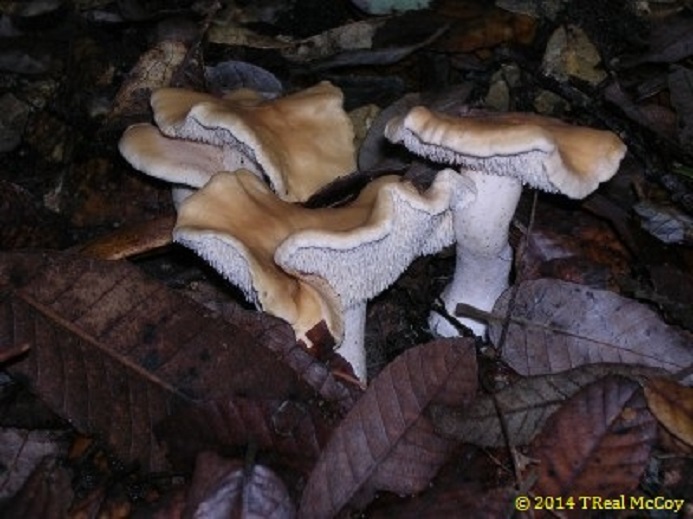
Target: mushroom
309, 266
299, 142
499, 152
188, 165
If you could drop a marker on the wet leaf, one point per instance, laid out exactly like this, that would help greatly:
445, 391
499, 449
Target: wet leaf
114, 351
555, 326
386, 441
293, 432
227, 488
525, 406
672, 404
597, 444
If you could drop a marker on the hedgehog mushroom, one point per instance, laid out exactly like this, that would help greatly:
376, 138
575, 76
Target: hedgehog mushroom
299, 142
309, 266
500, 152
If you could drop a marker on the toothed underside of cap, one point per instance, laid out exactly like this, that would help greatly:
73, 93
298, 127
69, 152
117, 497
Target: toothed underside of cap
542, 152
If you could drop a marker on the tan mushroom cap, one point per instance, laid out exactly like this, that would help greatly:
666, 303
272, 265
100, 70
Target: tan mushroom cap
177, 161
543, 152
300, 142
237, 224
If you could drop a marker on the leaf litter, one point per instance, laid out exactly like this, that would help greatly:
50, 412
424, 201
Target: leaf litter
169, 383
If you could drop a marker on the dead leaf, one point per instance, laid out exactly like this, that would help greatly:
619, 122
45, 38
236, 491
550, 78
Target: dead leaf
293, 432
131, 240
24, 223
386, 442
283, 343
575, 246
672, 404
159, 66
380, 44
670, 40
114, 351
666, 222
597, 444
227, 488
46, 494
464, 500
680, 81
525, 405
555, 326
21, 451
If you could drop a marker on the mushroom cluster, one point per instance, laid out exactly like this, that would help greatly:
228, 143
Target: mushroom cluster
244, 162
241, 164
499, 153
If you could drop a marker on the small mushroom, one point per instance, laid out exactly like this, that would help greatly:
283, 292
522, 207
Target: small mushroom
500, 152
299, 142
309, 266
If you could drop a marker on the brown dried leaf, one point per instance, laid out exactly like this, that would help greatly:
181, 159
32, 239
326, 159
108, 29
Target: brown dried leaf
226, 488
596, 444
464, 500
375, 41
680, 82
24, 223
283, 343
131, 240
21, 451
672, 404
387, 442
46, 494
293, 431
525, 406
670, 40
555, 326
113, 351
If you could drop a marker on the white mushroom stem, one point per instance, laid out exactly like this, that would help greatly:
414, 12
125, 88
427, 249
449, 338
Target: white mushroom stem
352, 347
484, 256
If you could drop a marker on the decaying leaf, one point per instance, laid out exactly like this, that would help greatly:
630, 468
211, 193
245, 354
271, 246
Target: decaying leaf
463, 500
672, 404
315, 372
131, 240
555, 326
159, 66
525, 405
667, 223
368, 42
113, 351
597, 444
294, 432
228, 488
24, 224
46, 494
670, 40
681, 93
386, 441
21, 451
